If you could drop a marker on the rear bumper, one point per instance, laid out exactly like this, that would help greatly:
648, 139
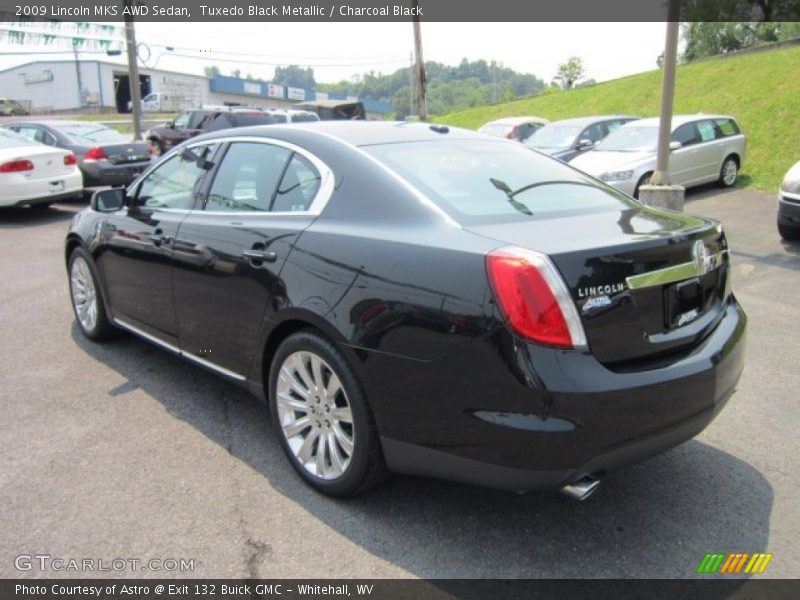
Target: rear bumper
22, 192
105, 173
521, 417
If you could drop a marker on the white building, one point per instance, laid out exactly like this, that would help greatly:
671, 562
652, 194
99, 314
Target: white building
46, 87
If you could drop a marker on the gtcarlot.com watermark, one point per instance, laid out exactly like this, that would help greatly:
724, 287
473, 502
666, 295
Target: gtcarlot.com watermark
48, 563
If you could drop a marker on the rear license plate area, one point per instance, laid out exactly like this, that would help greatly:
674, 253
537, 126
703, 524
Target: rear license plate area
56, 186
683, 303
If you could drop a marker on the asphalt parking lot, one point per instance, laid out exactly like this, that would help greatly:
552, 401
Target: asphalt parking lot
124, 451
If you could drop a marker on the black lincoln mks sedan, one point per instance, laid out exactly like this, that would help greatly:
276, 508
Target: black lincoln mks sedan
419, 299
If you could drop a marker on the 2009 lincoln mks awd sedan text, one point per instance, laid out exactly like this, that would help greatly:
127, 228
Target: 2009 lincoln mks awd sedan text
420, 299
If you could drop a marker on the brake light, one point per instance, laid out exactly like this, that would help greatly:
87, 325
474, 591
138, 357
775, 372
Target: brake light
510, 134
533, 298
70, 159
96, 153
16, 166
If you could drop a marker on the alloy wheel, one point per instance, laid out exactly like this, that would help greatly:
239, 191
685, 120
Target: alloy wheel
84, 294
315, 415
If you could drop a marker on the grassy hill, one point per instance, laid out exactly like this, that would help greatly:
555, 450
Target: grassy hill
762, 90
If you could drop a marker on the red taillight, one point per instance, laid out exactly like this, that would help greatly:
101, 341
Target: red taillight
70, 159
16, 166
533, 298
96, 153
153, 149
510, 134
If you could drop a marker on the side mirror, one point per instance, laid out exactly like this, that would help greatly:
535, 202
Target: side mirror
674, 146
108, 200
585, 145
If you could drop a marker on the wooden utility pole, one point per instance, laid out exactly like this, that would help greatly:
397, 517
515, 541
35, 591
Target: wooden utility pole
422, 100
133, 73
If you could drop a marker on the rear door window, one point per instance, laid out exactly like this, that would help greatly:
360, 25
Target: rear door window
299, 186
706, 131
248, 177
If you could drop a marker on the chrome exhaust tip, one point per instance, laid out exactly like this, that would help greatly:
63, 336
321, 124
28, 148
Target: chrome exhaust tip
581, 489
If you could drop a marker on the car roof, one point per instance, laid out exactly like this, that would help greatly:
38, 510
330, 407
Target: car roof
517, 121
57, 123
678, 120
584, 121
364, 133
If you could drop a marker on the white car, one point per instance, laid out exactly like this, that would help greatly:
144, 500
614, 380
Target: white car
34, 174
514, 128
703, 148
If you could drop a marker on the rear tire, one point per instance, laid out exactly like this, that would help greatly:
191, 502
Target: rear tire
87, 300
789, 233
322, 417
728, 172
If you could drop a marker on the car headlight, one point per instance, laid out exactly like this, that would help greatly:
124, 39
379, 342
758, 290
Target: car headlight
791, 183
616, 175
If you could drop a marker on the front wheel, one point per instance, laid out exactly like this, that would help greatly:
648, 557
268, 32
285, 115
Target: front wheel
728, 172
322, 417
87, 301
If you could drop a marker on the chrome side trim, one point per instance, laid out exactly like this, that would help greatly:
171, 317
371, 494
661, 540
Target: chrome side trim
327, 182
176, 350
211, 365
147, 336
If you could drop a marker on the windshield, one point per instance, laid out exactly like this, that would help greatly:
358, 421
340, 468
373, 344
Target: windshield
93, 133
9, 139
554, 136
630, 138
478, 179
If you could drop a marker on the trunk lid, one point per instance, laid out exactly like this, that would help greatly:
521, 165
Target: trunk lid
126, 152
47, 162
646, 283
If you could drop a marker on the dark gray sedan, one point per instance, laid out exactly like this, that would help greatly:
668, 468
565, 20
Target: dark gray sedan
105, 156
568, 138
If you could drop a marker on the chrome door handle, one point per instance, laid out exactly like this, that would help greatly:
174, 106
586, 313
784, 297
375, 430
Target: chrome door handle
260, 256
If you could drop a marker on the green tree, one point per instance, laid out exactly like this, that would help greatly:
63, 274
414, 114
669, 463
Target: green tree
570, 72
703, 39
211, 71
294, 76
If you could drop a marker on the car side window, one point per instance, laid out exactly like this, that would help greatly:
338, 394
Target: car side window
614, 125
176, 182
594, 132
706, 131
686, 134
248, 177
32, 133
196, 119
298, 187
182, 121
726, 127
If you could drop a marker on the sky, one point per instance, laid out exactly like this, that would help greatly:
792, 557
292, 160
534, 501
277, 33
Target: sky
343, 50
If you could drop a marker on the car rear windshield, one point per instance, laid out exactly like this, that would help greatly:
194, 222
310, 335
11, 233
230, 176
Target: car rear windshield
9, 139
94, 133
479, 181
247, 119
